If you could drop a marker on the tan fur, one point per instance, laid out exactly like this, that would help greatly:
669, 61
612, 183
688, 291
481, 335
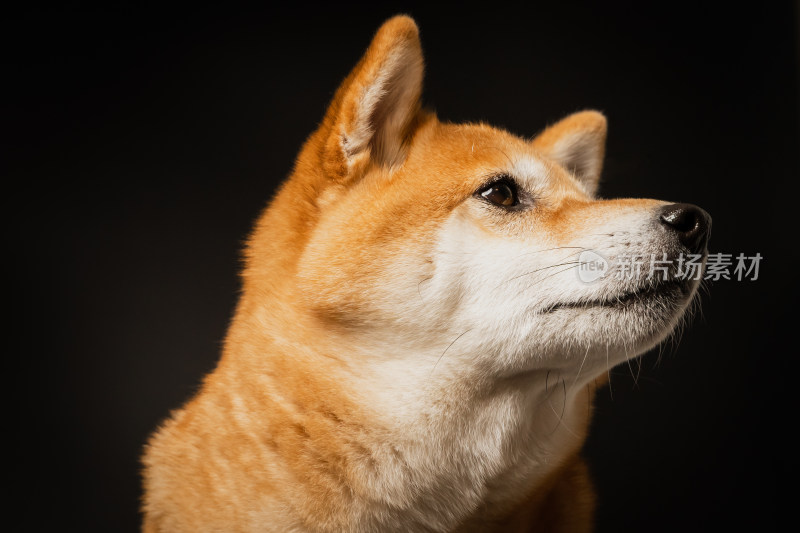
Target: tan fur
286, 433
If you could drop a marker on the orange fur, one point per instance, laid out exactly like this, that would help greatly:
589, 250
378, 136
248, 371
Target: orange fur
282, 435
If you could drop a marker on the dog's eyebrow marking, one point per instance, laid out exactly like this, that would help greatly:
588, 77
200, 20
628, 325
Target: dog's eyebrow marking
535, 175
530, 169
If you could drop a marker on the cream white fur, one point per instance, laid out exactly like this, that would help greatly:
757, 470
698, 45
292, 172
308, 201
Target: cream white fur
475, 381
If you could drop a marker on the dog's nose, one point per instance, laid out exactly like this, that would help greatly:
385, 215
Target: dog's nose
691, 223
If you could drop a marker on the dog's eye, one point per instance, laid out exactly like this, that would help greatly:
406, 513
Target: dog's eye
502, 193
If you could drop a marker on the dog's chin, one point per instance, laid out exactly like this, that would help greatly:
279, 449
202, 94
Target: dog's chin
631, 321
662, 295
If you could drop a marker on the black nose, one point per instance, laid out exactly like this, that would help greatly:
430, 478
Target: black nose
691, 223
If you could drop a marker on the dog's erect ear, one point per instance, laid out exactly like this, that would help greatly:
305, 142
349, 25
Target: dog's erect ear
375, 108
577, 143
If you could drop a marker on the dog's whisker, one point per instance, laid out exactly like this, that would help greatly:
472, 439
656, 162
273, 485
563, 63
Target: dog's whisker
530, 252
539, 270
583, 362
563, 411
445, 350
574, 266
419, 292
608, 374
630, 368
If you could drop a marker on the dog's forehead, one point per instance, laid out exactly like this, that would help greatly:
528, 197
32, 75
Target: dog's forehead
484, 151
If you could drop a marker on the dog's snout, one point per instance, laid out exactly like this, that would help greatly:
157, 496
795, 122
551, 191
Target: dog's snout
691, 224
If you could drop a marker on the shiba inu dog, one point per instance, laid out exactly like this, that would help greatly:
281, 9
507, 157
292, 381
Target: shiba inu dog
413, 350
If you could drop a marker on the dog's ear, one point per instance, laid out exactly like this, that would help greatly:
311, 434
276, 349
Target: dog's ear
577, 143
374, 111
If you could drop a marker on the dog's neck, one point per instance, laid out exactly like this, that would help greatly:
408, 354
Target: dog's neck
436, 444
495, 440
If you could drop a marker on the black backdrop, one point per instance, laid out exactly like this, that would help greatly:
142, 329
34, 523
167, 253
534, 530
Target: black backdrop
141, 144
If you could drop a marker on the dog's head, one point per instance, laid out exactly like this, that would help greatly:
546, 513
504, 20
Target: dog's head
417, 234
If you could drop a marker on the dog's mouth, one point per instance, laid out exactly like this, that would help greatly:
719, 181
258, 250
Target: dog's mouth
665, 290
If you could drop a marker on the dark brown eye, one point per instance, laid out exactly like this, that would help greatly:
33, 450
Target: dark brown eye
502, 193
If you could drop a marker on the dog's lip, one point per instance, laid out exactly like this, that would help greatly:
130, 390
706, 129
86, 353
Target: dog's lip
664, 289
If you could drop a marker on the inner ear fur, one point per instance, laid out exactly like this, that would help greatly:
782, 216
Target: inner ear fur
577, 143
375, 109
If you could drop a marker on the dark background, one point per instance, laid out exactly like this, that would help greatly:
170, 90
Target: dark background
141, 143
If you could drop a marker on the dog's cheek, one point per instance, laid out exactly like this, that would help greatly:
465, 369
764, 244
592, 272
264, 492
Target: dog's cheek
370, 287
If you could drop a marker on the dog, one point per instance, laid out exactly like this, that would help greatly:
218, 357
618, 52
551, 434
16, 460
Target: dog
414, 348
